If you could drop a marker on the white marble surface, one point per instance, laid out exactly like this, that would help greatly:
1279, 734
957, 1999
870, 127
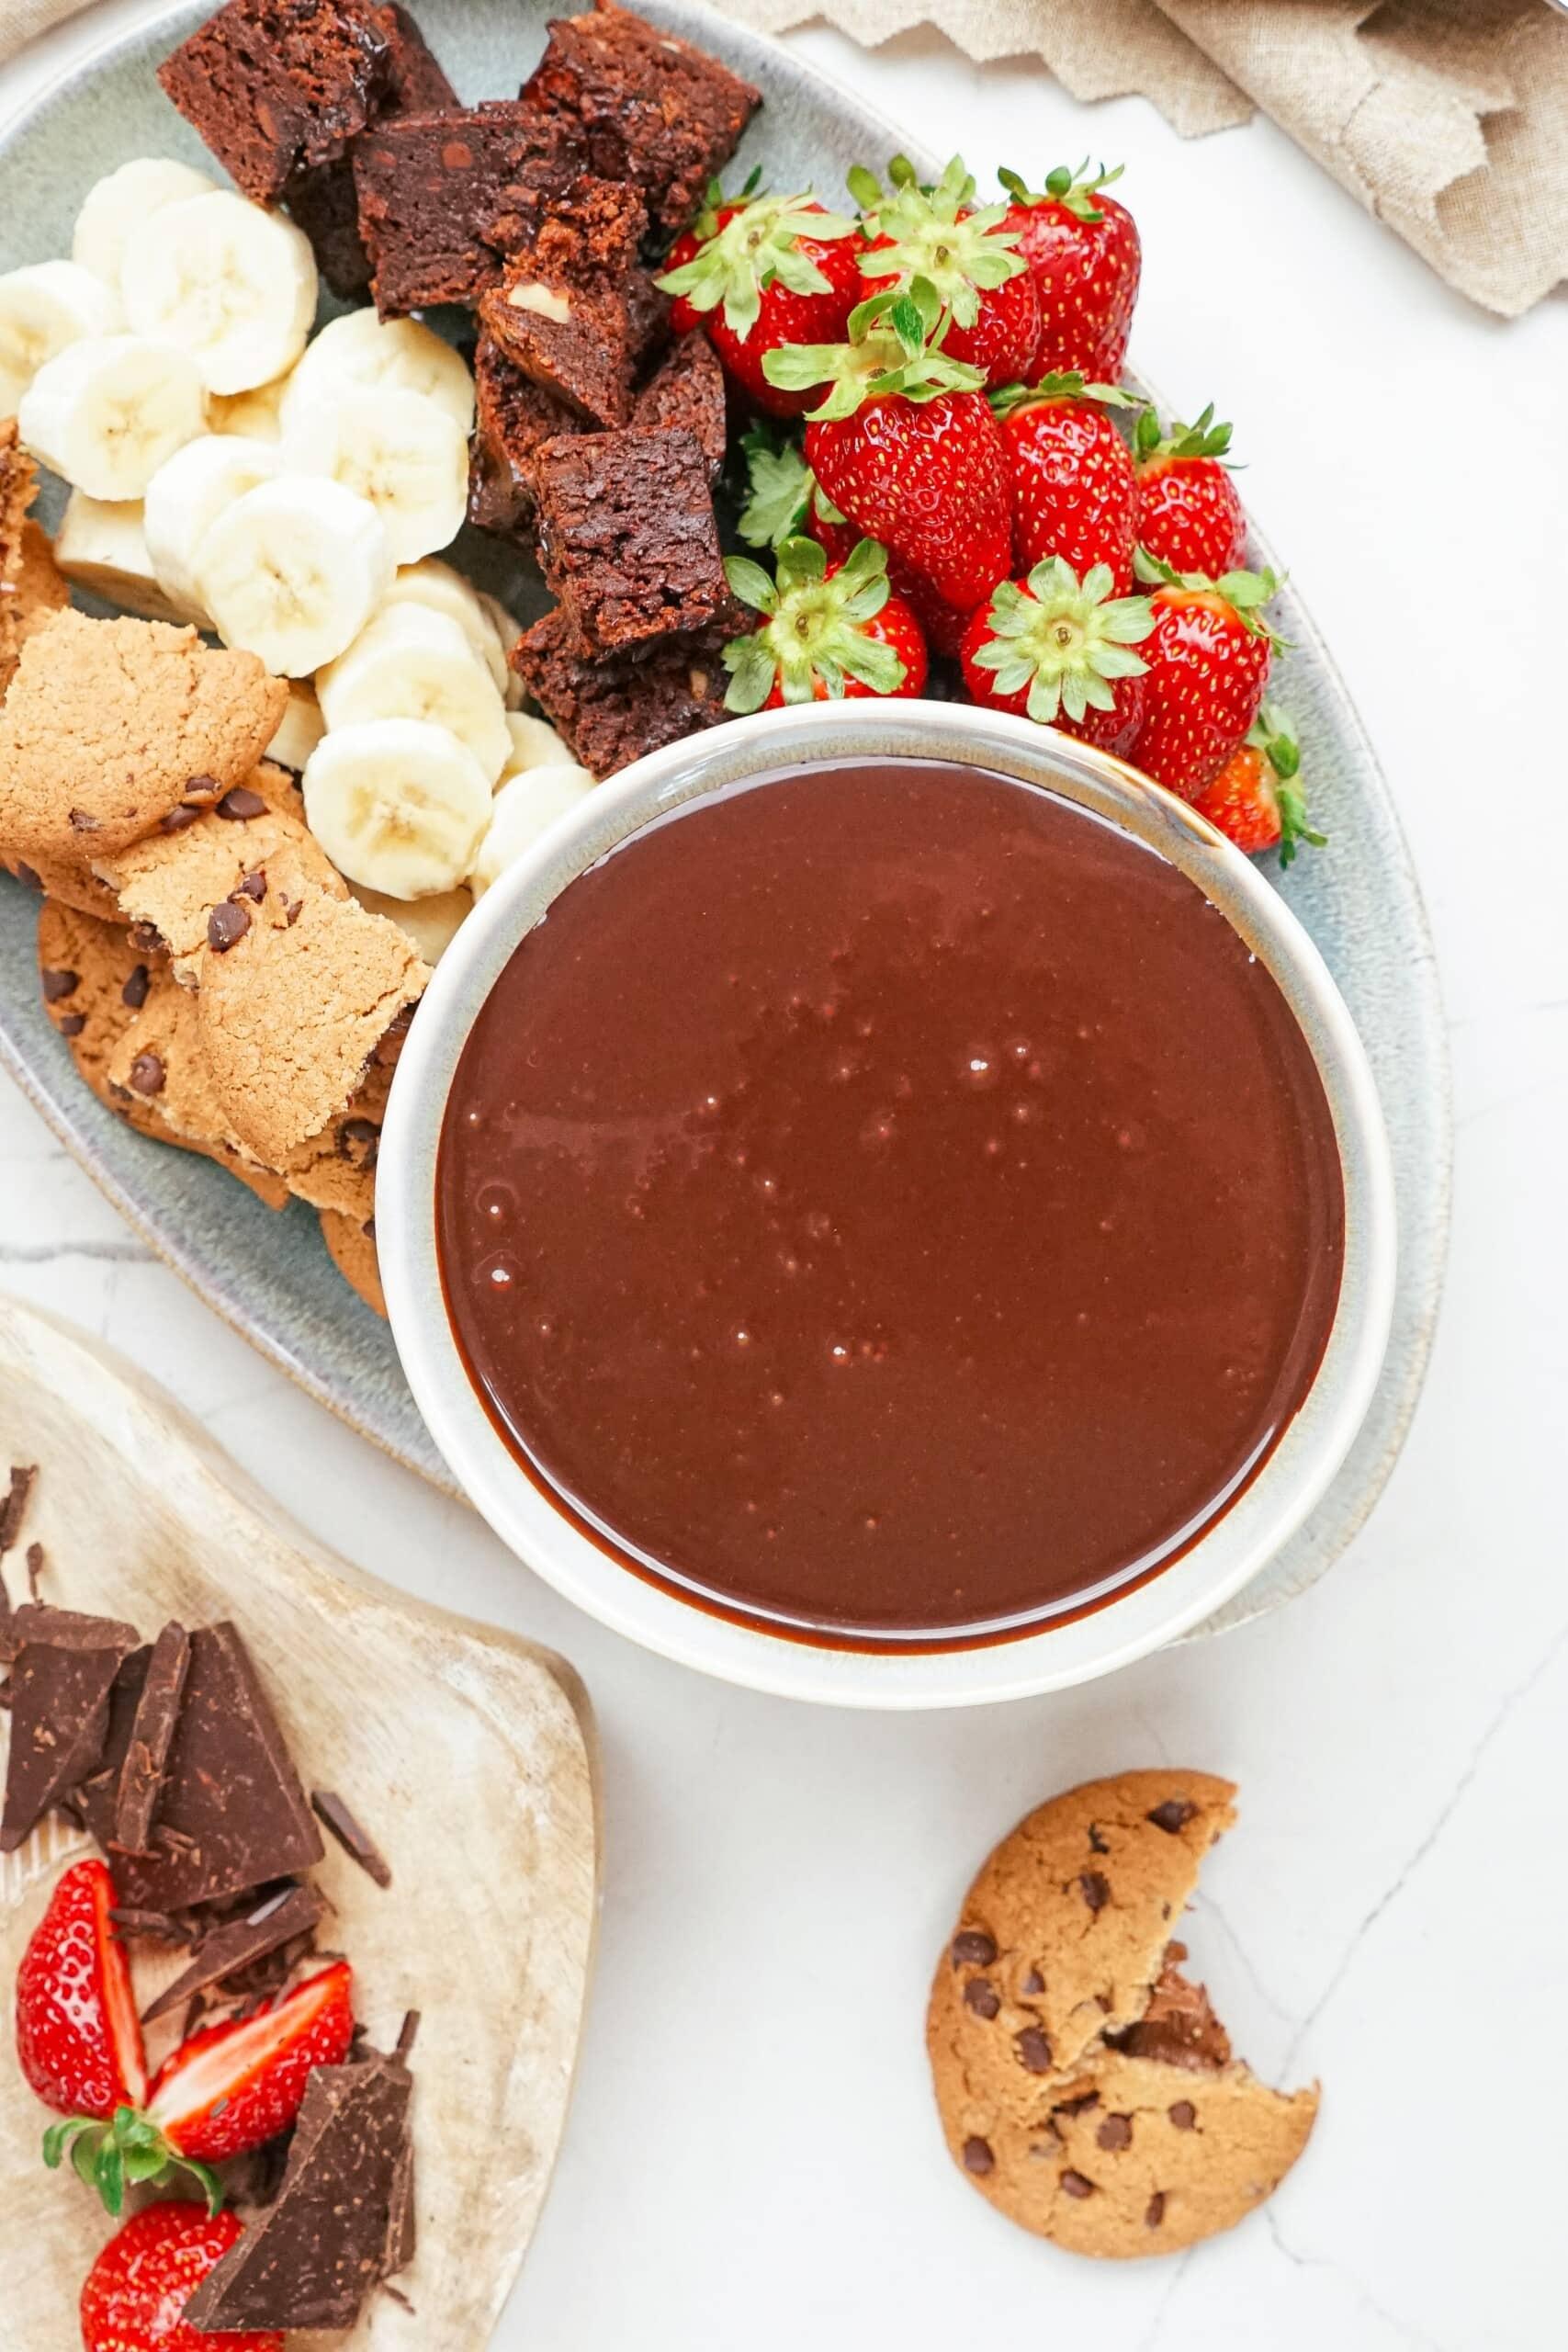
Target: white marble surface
752, 2157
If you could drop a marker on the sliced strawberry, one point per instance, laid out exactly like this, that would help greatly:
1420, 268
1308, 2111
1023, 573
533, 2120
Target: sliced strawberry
829, 630
137, 2290
78, 2037
967, 252
237, 2085
1060, 651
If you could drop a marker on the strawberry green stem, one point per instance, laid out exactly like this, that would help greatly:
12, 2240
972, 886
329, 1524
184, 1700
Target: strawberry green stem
1067, 642
757, 247
126, 2152
814, 626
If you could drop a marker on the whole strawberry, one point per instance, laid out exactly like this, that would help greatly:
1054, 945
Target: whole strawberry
137, 2290
1060, 651
761, 271
78, 2036
1256, 800
966, 254
906, 445
1188, 513
1209, 655
1084, 255
1074, 492
829, 630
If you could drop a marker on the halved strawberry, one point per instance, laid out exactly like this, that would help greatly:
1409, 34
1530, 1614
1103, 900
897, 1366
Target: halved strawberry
78, 2036
964, 251
1060, 651
829, 630
136, 2292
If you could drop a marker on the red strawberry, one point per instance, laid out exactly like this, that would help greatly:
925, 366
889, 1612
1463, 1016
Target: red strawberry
905, 444
1059, 652
1209, 656
1255, 800
1083, 253
78, 2036
967, 254
1188, 513
830, 629
230, 2087
136, 2292
1074, 492
760, 271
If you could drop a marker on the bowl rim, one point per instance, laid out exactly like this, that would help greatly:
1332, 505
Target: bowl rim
1126, 1626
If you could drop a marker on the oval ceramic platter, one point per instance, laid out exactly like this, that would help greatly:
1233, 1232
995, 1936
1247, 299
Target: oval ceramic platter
270, 1275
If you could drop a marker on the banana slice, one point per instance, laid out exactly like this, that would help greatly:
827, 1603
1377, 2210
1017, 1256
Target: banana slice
43, 308
293, 571
107, 413
412, 663
408, 457
104, 547
254, 416
360, 352
521, 810
432, 923
185, 497
507, 632
230, 284
300, 729
397, 804
437, 587
114, 210
535, 744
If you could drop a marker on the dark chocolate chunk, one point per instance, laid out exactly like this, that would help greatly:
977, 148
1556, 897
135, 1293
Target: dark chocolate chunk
14, 1509
977, 2156
1033, 2048
1095, 1889
1173, 1815
972, 1947
342, 2219
65, 1669
355, 1841
1183, 2114
241, 802
1115, 2132
1153, 2212
226, 925
152, 1737
58, 986
981, 1996
1179, 2027
223, 1951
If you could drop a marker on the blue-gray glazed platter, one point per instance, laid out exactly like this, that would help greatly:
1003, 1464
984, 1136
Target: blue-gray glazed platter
268, 1274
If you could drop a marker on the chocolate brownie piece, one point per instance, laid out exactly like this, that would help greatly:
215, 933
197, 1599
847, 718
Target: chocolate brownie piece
612, 712
560, 314
627, 535
514, 417
278, 86
323, 200
688, 389
428, 184
648, 318
672, 113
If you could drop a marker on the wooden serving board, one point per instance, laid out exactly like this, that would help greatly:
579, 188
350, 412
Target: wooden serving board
468, 1754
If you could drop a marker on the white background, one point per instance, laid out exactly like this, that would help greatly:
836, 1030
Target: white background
752, 2157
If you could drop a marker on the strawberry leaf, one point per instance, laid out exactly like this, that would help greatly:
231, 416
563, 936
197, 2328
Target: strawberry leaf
779, 482
750, 583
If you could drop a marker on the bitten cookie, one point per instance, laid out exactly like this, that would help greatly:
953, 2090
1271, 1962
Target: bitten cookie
1085, 2086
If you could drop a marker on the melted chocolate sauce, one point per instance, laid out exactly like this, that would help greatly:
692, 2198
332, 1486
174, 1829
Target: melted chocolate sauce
890, 1201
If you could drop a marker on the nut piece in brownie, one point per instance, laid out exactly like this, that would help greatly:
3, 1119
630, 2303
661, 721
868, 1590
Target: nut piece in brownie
514, 417
560, 314
429, 184
322, 199
275, 86
627, 537
652, 108
688, 389
612, 712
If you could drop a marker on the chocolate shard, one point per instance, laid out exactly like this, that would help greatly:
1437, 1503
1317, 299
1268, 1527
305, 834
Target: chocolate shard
13, 1507
65, 1669
239, 1943
156, 1926
231, 1813
151, 1737
342, 2219
355, 1840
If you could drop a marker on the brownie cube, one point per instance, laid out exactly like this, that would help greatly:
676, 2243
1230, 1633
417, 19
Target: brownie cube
612, 712
627, 535
671, 111
428, 185
514, 417
275, 88
688, 389
323, 200
560, 314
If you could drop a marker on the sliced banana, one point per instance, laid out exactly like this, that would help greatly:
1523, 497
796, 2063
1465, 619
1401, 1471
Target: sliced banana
107, 413
300, 730
437, 585
360, 352
185, 497
293, 571
507, 632
408, 457
397, 804
103, 546
114, 210
42, 308
254, 416
413, 663
535, 744
521, 810
230, 284
432, 923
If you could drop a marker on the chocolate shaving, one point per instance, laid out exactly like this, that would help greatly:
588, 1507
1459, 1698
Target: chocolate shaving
151, 1737
407, 2033
289, 1916
14, 1508
35, 1569
158, 1927
356, 1842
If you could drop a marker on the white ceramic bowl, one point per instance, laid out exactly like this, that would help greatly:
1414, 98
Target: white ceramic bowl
1277, 1501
